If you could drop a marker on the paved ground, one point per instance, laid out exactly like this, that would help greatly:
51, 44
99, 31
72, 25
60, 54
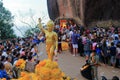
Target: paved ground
71, 65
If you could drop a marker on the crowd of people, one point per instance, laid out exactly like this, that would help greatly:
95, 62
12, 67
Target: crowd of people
98, 41
14, 49
105, 42
98, 45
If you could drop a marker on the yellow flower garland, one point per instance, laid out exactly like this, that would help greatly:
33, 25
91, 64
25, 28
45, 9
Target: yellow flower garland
20, 64
45, 70
3, 79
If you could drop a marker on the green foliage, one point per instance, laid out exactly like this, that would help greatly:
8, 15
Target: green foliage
6, 23
31, 31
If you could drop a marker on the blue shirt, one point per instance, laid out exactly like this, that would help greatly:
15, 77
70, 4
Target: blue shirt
3, 74
98, 51
74, 38
112, 51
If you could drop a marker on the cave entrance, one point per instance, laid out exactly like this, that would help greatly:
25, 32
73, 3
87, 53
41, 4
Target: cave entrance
65, 22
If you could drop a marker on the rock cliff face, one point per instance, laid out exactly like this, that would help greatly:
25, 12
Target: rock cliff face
86, 10
102, 10
53, 9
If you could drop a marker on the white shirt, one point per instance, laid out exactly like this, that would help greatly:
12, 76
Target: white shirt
4, 54
70, 33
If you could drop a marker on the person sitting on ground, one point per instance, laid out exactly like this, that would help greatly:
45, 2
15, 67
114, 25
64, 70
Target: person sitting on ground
30, 64
3, 73
8, 66
94, 62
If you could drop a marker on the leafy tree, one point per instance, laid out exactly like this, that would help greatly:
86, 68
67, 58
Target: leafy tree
6, 23
31, 24
31, 31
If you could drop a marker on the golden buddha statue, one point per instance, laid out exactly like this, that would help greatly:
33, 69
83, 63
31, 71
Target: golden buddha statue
51, 38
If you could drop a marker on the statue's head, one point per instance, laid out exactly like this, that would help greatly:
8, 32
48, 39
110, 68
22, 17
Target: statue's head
50, 25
